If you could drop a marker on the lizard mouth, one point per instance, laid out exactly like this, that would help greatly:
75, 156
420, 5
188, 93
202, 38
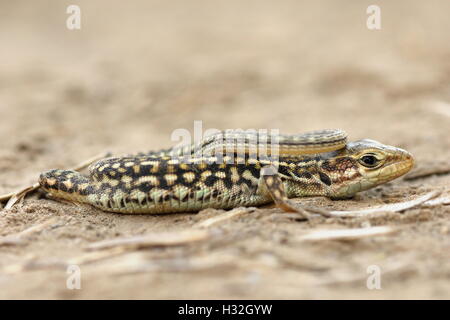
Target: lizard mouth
398, 168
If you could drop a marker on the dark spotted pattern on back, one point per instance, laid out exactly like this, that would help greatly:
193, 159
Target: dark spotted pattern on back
230, 181
325, 179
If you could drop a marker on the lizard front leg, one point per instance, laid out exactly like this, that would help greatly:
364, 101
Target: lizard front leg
271, 184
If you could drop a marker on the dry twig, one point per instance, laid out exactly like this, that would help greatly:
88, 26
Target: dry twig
223, 217
429, 169
391, 207
347, 234
161, 239
17, 238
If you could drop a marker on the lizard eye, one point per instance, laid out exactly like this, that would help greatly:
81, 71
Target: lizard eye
369, 161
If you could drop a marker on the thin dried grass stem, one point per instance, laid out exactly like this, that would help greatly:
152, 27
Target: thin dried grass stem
347, 234
223, 217
391, 207
161, 239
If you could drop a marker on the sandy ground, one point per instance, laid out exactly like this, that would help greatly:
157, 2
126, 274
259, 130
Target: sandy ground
134, 73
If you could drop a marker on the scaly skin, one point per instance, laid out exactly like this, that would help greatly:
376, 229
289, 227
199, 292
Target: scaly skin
158, 183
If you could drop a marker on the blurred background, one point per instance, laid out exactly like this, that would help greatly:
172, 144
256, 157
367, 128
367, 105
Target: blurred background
138, 70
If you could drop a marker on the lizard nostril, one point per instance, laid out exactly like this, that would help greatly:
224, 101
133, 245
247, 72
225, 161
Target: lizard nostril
409, 157
408, 161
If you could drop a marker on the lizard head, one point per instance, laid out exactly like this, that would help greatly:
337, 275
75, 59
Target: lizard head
364, 164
